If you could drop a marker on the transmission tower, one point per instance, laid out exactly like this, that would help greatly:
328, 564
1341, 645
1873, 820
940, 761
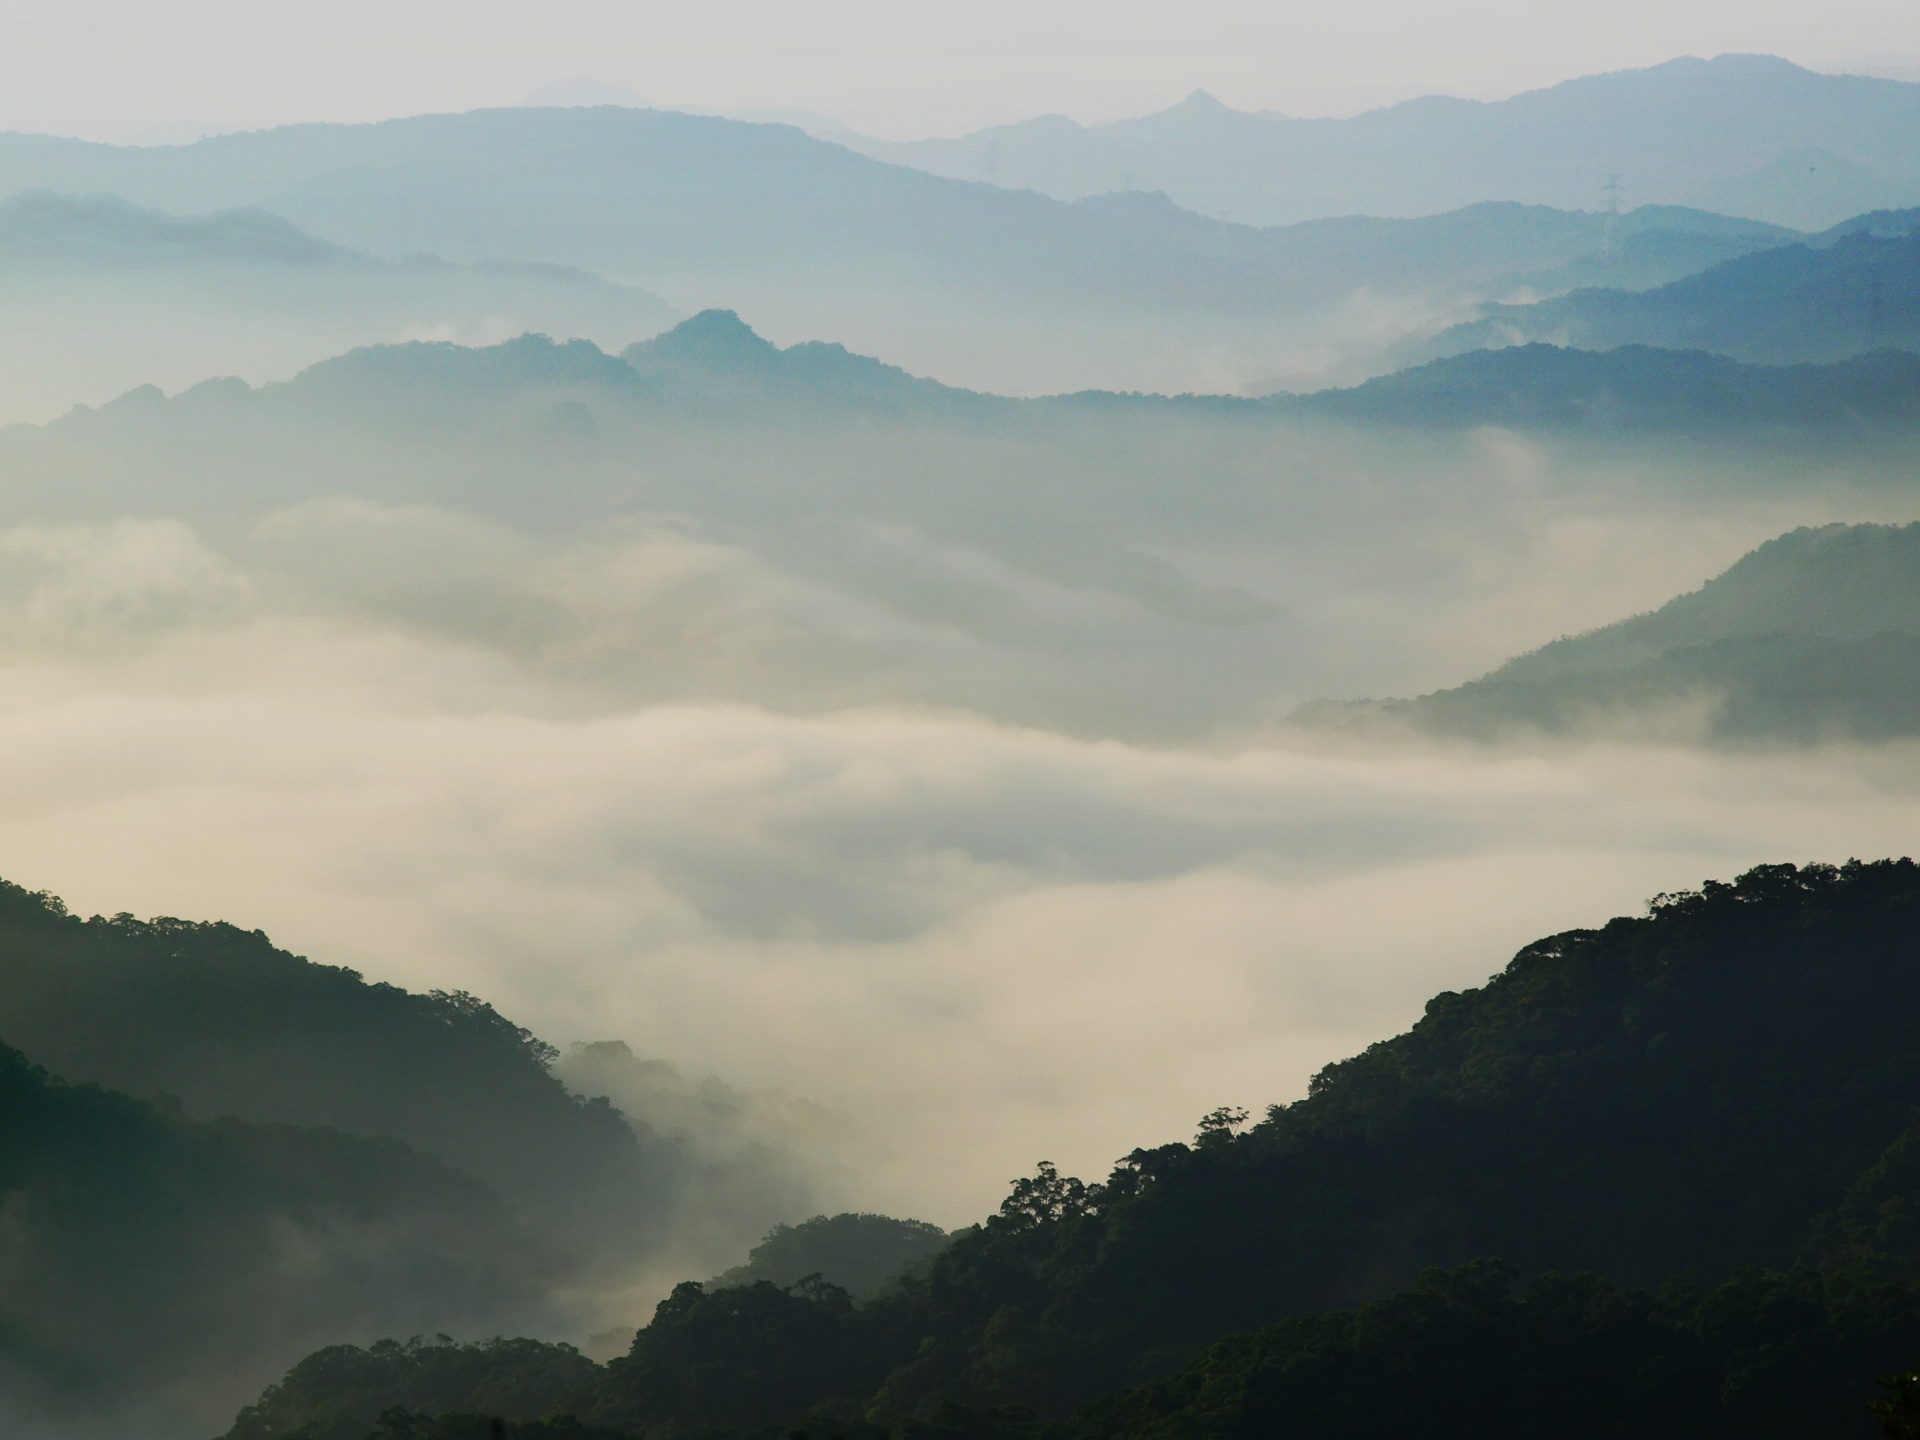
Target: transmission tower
1609, 233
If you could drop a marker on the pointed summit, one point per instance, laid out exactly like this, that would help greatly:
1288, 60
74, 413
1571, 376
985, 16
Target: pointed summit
717, 341
1200, 106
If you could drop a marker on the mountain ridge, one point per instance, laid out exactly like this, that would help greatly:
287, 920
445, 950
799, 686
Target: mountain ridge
1716, 1095
1736, 112
1812, 637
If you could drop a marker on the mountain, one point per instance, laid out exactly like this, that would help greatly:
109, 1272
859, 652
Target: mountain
1841, 294
1676, 1100
1631, 389
1806, 187
859, 1253
988, 287
155, 1266
1814, 636
42, 228
453, 495
230, 1037
1463, 1354
1742, 133
101, 295
230, 1026
716, 358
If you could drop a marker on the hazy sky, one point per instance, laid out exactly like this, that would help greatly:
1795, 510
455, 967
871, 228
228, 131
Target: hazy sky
115, 69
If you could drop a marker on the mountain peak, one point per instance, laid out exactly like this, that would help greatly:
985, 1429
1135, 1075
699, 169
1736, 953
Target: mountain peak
1200, 103
713, 339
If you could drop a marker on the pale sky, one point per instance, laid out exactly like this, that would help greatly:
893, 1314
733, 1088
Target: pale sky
115, 69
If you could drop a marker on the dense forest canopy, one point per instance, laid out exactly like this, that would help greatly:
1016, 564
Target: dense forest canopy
155, 1264
1688, 1137
283, 1152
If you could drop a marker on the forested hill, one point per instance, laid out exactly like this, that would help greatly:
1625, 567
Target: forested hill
713, 364
1815, 302
1727, 1082
153, 1266
1814, 636
1539, 386
228, 1025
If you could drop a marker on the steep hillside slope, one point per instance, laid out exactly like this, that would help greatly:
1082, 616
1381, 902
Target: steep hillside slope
153, 1267
1726, 1082
1857, 293
1635, 388
1815, 636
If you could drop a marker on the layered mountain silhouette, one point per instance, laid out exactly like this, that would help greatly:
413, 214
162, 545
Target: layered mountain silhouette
667, 194
1852, 290
100, 294
1010, 290
715, 364
1748, 134
1633, 388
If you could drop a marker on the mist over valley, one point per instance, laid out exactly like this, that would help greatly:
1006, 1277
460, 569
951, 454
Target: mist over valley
661, 775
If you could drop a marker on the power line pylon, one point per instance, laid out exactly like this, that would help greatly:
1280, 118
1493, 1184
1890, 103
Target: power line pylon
1609, 233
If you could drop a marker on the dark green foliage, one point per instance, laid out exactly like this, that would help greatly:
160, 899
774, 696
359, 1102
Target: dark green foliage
1727, 1083
460, 1425
1899, 1408
745, 1357
859, 1253
346, 1389
1767, 1355
1686, 1090
220, 1019
150, 1257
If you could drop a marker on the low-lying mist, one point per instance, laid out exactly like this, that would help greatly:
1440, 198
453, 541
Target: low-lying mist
871, 799
983, 944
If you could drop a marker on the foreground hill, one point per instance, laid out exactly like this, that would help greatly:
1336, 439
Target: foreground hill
1677, 131
416, 1160
228, 1025
1854, 293
153, 1266
1814, 636
1725, 1083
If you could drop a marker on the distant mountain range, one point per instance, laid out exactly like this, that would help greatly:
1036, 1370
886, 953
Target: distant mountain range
981, 538
998, 289
1842, 293
1745, 134
628, 191
715, 364
1814, 636
100, 295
